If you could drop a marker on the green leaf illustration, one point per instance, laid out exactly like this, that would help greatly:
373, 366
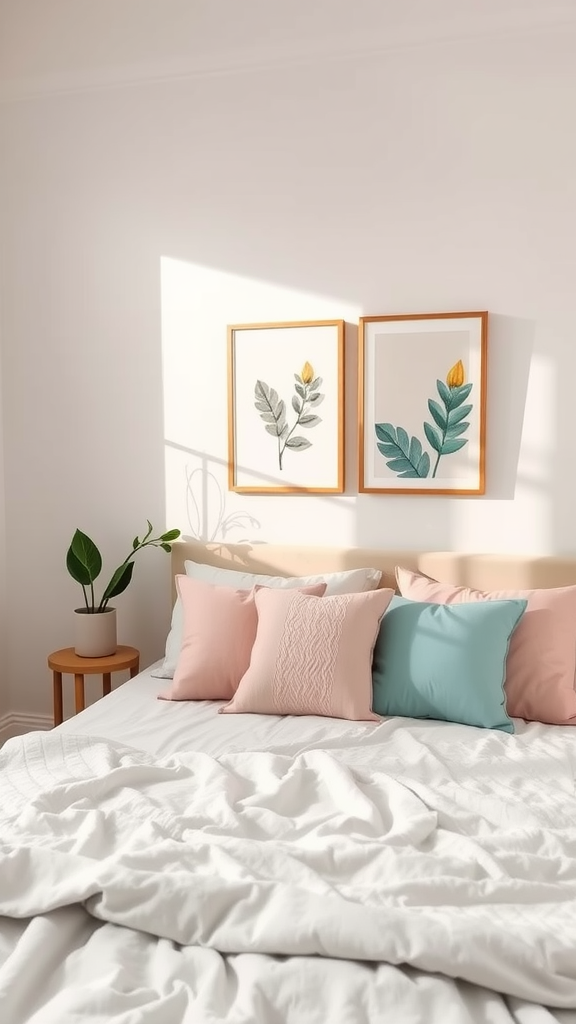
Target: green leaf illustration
455, 415
433, 437
271, 408
450, 446
403, 454
437, 414
298, 444
451, 424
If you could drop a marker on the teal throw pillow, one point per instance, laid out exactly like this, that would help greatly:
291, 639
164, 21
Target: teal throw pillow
446, 662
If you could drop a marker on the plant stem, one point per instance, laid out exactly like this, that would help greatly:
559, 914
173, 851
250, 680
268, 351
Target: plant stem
85, 597
289, 434
93, 604
436, 465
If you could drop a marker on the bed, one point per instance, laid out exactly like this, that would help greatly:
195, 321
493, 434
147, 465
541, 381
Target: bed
162, 863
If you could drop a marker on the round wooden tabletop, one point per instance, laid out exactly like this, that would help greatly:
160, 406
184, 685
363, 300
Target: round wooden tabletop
67, 661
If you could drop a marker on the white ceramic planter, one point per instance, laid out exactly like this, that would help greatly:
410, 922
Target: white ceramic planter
95, 633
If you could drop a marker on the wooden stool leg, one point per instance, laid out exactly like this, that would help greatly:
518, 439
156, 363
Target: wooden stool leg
134, 670
57, 686
79, 691
106, 683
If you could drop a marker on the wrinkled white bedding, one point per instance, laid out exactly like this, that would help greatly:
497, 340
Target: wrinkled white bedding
443, 850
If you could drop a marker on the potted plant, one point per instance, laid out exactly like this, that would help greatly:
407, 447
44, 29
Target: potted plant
95, 623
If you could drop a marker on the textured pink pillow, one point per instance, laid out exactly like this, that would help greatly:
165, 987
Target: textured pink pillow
541, 662
312, 657
220, 626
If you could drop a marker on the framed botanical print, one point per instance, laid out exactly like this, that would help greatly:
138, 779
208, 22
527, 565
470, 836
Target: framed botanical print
286, 407
422, 403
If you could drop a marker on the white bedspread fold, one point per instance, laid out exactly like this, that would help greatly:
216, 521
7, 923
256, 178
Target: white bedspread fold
472, 877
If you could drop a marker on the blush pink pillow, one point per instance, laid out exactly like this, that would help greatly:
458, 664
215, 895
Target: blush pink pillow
220, 626
541, 663
312, 656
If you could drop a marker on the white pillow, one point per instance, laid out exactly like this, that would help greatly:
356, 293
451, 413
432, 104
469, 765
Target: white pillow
352, 581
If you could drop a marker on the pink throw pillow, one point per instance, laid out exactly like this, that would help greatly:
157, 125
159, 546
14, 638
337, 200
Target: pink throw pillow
311, 656
541, 663
220, 626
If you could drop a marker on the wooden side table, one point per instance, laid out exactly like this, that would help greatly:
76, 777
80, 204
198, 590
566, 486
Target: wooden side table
67, 661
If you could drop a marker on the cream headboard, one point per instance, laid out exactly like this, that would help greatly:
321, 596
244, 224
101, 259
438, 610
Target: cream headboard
485, 572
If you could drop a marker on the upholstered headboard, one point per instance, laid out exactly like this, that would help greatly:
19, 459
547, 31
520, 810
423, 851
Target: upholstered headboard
485, 572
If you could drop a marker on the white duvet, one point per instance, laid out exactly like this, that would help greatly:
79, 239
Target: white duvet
364, 873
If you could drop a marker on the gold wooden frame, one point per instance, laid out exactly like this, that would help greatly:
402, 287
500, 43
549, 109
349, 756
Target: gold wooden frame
233, 329
362, 487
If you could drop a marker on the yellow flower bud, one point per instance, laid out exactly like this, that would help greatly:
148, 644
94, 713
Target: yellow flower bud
455, 378
307, 374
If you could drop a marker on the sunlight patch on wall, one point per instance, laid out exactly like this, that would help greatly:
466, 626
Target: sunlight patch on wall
197, 305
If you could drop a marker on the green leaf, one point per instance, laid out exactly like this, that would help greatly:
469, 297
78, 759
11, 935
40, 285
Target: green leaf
309, 420
454, 430
166, 547
456, 415
460, 394
437, 414
386, 432
267, 402
424, 465
298, 444
296, 404
445, 394
403, 439
119, 581
135, 543
415, 451
433, 438
402, 465
453, 446
170, 535
149, 530
404, 453
83, 560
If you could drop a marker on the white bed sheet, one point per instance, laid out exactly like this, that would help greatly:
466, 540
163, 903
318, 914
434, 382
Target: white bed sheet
85, 968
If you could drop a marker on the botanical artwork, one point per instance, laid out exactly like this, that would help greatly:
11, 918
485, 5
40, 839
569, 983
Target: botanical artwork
405, 455
422, 403
305, 401
285, 407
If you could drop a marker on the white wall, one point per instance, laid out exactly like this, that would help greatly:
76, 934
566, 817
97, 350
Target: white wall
335, 169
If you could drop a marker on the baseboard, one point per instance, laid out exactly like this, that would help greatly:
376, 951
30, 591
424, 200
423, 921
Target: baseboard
14, 724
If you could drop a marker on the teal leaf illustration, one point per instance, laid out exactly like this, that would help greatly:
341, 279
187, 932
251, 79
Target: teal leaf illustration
433, 438
445, 394
309, 420
403, 454
455, 445
452, 424
455, 429
437, 414
455, 415
460, 394
298, 444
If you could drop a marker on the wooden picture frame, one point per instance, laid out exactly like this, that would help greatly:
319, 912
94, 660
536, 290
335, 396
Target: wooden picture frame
286, 407
422, 403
